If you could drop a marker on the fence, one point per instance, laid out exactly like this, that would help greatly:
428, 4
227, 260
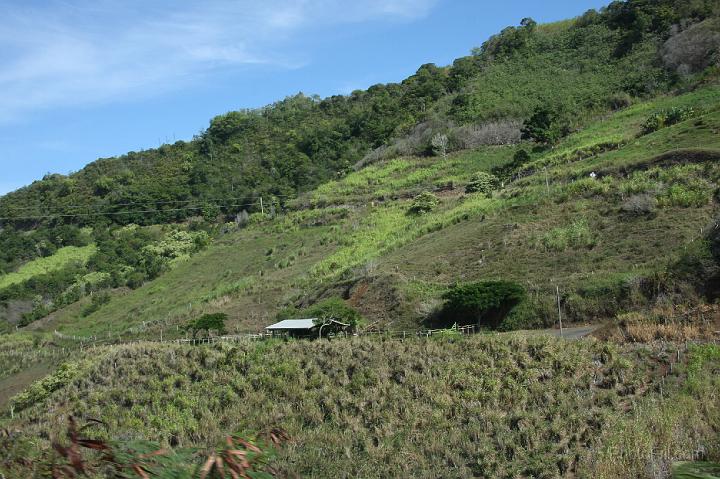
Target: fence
89, 341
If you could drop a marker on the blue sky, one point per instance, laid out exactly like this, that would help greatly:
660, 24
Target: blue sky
86, 79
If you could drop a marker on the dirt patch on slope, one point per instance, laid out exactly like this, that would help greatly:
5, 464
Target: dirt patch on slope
672, 158
16, 383
376, 297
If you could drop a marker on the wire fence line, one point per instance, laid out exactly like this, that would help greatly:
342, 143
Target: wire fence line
91, 341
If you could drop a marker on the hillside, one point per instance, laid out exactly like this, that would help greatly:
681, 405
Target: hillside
354, 237
568, 170
258, 162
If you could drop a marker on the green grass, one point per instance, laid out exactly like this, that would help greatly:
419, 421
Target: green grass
61, 258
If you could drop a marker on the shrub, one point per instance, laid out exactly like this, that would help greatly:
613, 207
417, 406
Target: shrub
530, 315
482, 182
576, 235
506, 171
424, 203
665, 118
41, 389
486, 303
439, 145
502, 132
586, 187
639, 205
619, 101
96, 302
693, 49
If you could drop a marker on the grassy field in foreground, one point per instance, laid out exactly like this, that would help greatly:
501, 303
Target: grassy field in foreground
497, 406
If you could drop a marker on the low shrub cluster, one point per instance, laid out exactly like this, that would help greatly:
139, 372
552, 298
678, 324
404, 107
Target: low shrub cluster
423, 203
41, 390
485, 303
639, 205
482, 182
665, 118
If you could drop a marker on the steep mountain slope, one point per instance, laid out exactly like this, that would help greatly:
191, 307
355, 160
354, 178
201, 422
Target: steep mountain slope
258, 161
359, 242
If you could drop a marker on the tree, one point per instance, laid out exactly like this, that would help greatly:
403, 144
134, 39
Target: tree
335, 309
439, 144
485, 303
546, 126
208, 322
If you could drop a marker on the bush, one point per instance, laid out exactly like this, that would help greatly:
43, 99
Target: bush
665, 118
501, 132
619, 101
424, 203
692, 50
546, 126
485, 303
40, 390
482, 182
96, 302
692, 195
530, 315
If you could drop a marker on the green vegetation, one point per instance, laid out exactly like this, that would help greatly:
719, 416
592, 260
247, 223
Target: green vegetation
482, 182
576, 235
41, 390
208, 322
608, 211
59, 260
484, 303
665, 118
335, 309
423, 203
461, 406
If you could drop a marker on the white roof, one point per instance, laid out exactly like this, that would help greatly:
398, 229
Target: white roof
294, 324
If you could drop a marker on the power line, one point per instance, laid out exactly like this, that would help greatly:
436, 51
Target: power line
148, 202
116, 213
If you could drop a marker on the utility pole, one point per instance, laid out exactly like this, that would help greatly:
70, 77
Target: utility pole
547, 181
557, 290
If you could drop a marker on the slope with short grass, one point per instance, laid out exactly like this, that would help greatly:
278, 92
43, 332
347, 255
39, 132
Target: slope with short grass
60, 259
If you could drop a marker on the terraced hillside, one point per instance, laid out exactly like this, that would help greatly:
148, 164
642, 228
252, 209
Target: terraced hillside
552, 225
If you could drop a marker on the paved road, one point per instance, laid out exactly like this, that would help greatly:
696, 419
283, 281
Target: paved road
572, 333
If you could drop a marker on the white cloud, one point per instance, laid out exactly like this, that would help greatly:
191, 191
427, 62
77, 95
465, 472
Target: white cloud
79, 52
